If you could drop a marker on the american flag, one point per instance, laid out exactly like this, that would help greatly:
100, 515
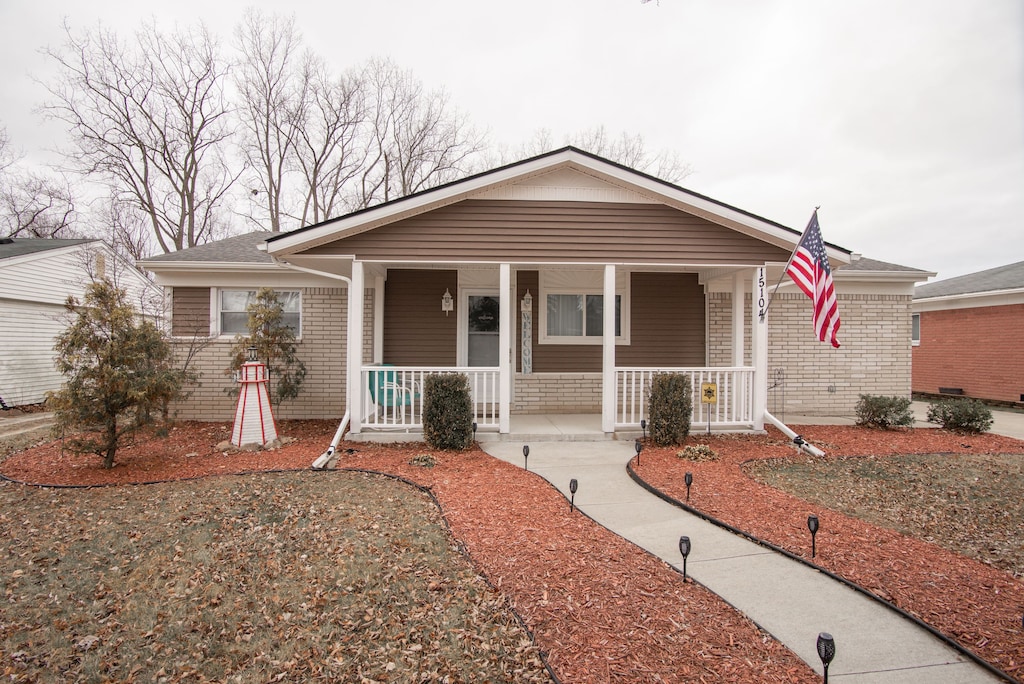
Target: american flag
809, 269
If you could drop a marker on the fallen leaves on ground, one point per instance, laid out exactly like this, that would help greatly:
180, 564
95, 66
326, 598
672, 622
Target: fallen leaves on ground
974, 603
600, 608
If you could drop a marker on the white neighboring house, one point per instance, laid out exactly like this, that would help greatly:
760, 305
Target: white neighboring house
36, 278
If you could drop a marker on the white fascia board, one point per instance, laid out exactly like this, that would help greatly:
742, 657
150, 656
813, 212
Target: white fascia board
411, 206
43, 254
883, 276
971, 300
220, 274
657, 191
703, 207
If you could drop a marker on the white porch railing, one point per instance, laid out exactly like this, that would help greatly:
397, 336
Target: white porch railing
735, 406
393, 395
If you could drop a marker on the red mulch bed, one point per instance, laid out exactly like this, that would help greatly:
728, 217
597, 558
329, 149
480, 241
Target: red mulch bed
600, 608
973, 603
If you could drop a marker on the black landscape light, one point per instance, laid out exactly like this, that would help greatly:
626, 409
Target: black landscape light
812, 525
639, 447
643, 426
826, 651
573, 485
526, 456
474, 430
688, 479
684, 548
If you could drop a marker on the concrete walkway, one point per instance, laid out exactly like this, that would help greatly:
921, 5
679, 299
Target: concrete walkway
874, 645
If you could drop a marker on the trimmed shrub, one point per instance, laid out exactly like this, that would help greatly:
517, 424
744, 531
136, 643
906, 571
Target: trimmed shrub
884, 412
670, 408
447, 412
961, 415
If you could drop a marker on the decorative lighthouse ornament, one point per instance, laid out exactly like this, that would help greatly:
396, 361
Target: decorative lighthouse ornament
254, 421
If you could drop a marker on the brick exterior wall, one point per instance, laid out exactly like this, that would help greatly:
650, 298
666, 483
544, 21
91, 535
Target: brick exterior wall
972, 349
322, 349
557, 393
816, 379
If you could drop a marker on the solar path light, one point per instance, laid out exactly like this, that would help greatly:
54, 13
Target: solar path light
526, 456
573, 485
826, 651
688, 480
684, 548
639, 447
643, 426
812, 525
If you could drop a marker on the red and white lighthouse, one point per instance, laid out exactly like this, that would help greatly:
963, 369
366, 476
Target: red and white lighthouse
254, 420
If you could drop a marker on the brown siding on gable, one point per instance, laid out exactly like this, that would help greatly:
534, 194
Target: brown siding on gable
666, 321
190, 311
493, 230
416, 331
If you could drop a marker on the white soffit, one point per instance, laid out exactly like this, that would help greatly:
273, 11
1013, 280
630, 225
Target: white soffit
564, 185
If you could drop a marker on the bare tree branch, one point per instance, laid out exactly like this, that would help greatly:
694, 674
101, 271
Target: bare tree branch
151, 120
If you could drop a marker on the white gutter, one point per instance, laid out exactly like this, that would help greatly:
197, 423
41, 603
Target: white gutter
798, 441
321, 461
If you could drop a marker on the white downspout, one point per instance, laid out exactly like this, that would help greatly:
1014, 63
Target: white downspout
798, 441
322, 460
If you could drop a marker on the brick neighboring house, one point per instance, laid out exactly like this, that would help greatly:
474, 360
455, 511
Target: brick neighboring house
968, 334
503, 275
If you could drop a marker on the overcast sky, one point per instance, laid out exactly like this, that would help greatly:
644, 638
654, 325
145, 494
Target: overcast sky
902, 119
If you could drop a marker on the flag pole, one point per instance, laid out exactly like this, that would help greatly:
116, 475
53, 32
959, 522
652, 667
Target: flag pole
771, 296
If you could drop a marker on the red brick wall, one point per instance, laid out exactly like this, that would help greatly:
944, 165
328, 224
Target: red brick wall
978, 350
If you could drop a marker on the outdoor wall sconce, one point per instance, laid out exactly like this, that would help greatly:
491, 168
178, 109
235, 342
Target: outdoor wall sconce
826, 651
572, 494
447, 302
688, 480
684, 549
526, 305
812, 525
526, 456
639, 447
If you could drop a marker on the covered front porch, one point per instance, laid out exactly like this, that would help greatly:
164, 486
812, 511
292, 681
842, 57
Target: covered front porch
523, 384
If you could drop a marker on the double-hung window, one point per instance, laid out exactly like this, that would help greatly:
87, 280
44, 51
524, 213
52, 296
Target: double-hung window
234, 315
572, 308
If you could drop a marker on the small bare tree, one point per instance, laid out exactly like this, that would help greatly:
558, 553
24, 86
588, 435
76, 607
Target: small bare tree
417, 140
150, 118
272, 99
33, 203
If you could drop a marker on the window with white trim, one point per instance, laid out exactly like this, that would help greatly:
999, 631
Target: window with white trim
233, 313
572, 308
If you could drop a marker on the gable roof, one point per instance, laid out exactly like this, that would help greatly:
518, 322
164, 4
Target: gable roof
16, 247
629, 180
1007, 278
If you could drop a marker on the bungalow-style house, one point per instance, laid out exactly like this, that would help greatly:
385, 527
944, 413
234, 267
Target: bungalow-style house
965, 329
36, 277
504, 276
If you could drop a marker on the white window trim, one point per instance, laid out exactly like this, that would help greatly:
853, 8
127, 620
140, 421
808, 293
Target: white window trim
915, 342
542, 306
215, 310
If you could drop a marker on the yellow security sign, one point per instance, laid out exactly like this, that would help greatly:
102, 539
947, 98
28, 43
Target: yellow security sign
709, 393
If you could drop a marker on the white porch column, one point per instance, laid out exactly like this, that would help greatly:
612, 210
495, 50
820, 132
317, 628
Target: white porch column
505, 351
354, 346
378, 319
608, 357
738, 290
739, 399
759, 346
